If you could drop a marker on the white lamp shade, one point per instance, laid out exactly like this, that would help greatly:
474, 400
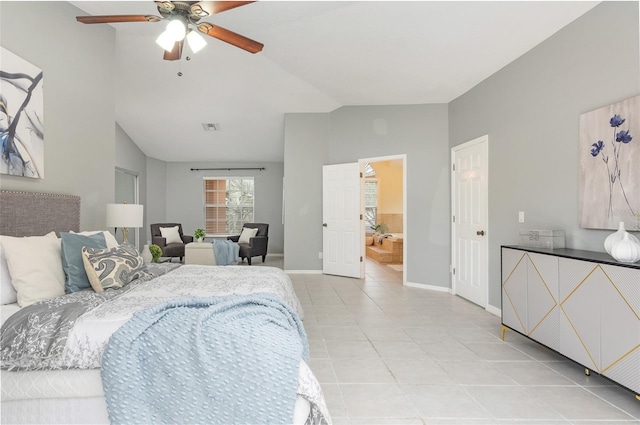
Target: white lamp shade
196, 41
125, 215
177, 29
166, 41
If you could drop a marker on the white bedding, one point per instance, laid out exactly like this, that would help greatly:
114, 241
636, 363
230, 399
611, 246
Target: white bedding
54, 393
91, 332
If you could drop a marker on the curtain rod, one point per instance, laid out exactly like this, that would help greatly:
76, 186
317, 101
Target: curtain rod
227, 169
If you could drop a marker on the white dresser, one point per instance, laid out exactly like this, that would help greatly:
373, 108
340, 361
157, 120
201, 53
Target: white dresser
582, 304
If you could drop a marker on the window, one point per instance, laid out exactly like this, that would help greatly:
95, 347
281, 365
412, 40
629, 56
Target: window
370, 197
370, 203
228, 204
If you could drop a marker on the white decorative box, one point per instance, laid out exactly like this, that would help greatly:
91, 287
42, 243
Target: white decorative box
550, 239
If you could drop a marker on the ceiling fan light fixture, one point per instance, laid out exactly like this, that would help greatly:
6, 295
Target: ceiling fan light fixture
166, 41
196, 41
177, 29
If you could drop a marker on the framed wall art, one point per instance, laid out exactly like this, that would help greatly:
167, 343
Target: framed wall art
609, 155
21, 117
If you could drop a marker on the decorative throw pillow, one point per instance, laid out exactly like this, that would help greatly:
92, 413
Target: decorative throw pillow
8, 294
112, 268
247, 234
171, 234
35, 267
72, 264
111, 240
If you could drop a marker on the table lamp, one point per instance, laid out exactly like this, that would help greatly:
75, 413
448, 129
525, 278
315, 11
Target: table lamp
125, 216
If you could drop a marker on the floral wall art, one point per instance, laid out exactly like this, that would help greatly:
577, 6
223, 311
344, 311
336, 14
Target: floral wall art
21, 117
610, 166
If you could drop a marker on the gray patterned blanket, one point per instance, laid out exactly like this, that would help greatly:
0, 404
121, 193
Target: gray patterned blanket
36, 337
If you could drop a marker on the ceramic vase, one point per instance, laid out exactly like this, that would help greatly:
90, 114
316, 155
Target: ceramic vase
616, 237
199, 240
146, 254
626, 251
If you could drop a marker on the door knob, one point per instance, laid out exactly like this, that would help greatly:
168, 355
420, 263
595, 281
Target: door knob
324, 224
480, 233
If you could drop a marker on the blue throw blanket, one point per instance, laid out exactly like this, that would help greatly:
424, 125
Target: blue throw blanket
218, 360
226, 252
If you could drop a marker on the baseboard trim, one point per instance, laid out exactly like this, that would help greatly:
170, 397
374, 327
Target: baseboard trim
428, 287
494, 310
303, 271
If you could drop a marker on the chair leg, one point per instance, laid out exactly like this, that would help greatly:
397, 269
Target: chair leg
249, 260
264, 257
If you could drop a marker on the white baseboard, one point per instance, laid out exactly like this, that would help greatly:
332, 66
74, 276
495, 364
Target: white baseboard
275, 254
303, 271
429, 287
494, 310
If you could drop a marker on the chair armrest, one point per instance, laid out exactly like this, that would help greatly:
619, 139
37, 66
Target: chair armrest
233, 238
187, 239
259, 243
159, 240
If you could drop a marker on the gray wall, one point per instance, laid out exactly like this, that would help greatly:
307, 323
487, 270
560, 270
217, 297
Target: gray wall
306, 139
356, 132
156, 192
131, 158
79, 112
183, 197
530, 110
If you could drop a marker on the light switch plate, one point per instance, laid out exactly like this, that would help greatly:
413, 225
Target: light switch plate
520, 216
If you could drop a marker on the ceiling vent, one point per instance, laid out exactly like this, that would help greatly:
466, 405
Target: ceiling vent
212, 127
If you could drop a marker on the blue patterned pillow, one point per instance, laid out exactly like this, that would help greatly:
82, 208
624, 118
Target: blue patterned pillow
72, 264
113, 268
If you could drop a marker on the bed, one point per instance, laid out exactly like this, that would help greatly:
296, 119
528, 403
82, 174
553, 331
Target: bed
51, 369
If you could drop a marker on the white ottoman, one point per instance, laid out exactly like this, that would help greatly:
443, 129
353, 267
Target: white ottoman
199, 253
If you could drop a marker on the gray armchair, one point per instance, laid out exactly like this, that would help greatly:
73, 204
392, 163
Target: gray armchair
257, 245
169, 249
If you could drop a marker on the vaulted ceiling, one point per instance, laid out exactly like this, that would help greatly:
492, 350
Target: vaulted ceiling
318, 56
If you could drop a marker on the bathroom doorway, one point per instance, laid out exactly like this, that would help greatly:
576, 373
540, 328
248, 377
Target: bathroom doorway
384, 205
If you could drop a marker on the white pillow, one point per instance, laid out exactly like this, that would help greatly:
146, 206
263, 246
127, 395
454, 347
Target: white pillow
111, 240
35, 267
171, 234
247, 234
8, 294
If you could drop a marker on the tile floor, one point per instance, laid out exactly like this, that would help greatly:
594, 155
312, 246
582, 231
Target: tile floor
394, 355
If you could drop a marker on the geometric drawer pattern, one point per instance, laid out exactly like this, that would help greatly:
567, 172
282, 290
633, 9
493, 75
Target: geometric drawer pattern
602, 310
589, 312
533, 304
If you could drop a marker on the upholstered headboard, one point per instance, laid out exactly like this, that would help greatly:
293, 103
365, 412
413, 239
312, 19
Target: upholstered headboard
35, 214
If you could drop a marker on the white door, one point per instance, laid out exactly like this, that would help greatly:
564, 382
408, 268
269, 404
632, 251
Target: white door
341, 220
469, 228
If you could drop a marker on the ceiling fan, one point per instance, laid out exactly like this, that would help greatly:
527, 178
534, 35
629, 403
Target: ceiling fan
181, 15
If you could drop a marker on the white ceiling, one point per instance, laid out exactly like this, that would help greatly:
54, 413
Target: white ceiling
318, 56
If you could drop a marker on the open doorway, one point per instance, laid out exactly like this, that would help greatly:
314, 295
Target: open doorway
384, 206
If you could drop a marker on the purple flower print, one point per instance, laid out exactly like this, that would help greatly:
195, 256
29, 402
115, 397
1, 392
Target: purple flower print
620, 139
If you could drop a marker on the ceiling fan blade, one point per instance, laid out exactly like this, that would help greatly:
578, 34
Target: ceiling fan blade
230, 37
206, 8
175, 53
107, 19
